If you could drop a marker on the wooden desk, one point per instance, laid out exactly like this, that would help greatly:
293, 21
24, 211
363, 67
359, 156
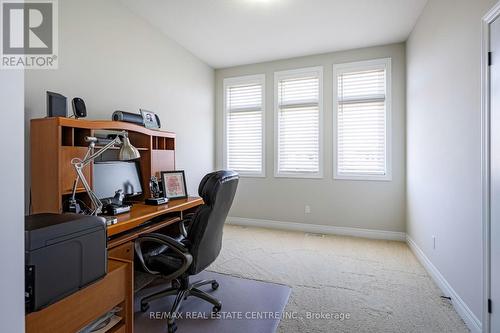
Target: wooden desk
54, 143
116, 288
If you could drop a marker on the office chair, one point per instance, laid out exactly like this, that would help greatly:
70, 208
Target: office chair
197, 247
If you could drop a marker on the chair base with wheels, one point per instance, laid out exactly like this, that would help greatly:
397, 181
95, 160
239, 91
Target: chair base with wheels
183, 289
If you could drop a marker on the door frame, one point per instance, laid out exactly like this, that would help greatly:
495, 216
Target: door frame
491, 16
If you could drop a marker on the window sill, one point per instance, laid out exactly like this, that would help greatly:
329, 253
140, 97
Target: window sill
384, 178
251, 175
298, 175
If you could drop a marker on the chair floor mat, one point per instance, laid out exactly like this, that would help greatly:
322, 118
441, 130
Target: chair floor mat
248, 306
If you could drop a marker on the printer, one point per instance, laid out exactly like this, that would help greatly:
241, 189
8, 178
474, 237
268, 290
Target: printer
63, 253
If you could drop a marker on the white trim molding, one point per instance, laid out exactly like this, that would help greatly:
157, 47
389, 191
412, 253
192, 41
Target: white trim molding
491, 16
316, 228
463, 310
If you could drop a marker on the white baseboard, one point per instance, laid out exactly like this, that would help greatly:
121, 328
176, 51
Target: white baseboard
320, 229
463, 310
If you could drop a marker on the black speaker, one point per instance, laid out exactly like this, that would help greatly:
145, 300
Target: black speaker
56, 105
128, 117
79, 109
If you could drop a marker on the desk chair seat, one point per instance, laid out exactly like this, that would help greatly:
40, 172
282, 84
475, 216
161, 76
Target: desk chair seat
167, 264
197, 247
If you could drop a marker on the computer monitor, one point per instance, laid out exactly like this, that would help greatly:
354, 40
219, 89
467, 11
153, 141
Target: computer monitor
111, 176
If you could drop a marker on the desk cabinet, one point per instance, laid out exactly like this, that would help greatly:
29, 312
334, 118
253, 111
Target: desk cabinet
124, 251
86, 305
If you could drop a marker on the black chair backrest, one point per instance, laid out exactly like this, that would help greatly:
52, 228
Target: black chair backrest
205, 233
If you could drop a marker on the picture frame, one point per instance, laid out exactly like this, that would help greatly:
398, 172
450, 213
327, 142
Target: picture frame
150, 119
174, 184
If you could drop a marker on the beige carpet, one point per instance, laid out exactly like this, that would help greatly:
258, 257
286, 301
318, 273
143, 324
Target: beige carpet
379, 284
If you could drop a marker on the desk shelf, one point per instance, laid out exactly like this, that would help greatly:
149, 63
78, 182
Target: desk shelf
118, 148
162, 143
69, 191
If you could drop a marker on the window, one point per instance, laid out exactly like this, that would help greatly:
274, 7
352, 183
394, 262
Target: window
298, 122
362, 96
244, 125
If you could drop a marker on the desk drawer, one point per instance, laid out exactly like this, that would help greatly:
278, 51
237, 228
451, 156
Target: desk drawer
124, 251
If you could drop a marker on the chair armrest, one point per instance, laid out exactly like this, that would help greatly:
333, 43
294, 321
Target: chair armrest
185, 224
182, 228
173, 244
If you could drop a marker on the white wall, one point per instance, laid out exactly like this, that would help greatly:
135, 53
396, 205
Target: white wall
12, 201
344, 203
115, 60
443, 136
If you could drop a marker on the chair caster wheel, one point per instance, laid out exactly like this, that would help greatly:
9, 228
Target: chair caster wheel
217, 308
144, 307
215, 286
172, 328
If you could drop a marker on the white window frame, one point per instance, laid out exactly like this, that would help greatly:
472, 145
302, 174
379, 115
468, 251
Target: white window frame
246, 79
294, 73
360, 66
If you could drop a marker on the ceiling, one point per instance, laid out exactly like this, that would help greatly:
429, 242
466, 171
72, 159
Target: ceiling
226, 33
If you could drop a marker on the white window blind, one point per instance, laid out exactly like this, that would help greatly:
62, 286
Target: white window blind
298, 116
362, 118
244, 125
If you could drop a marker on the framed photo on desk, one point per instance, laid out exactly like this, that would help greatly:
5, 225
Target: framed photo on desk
151, 120
174, 184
